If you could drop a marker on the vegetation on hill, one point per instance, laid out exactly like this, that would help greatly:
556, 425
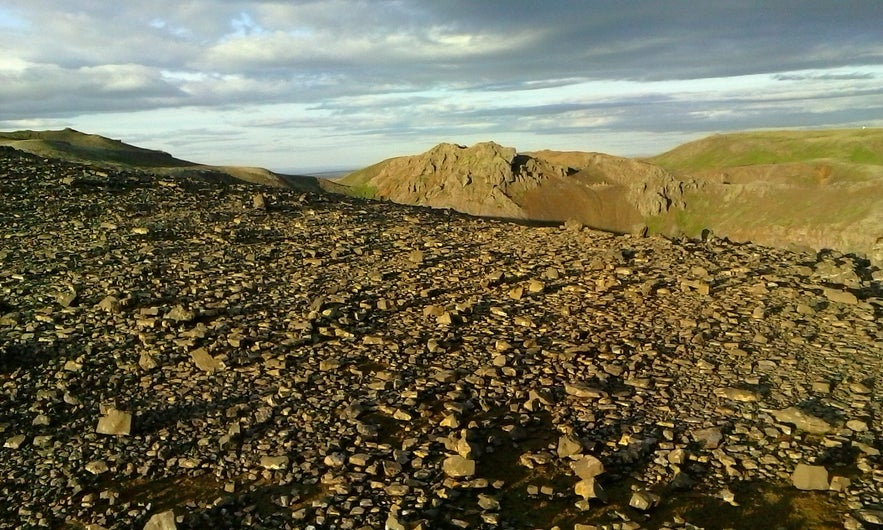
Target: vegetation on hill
69, 144
844, 146
75, 146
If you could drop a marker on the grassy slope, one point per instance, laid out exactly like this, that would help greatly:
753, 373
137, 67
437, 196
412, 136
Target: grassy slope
69, 144
845, 146
359, 183
76, 146
814, 188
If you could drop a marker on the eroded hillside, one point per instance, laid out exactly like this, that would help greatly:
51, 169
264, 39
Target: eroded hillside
490, 180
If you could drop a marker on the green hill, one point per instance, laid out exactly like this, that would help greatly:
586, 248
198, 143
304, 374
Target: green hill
75, 146
861, 147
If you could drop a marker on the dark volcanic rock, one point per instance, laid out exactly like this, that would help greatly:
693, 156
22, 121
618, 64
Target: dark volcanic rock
340, 363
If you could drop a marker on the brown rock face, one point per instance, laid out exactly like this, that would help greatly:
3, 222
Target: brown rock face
490, 180
480, 180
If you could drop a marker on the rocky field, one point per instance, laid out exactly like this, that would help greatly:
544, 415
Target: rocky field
181, 354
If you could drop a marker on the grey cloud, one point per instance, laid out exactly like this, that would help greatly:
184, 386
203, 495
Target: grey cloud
49, 90
824, 77
62, 59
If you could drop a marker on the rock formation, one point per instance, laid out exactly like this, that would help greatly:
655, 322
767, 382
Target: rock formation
490, 180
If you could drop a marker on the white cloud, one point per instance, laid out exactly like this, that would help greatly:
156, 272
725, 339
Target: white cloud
385, 76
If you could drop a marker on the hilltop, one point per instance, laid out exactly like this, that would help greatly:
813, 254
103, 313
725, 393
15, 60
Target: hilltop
862, 148
75, 146
491, 180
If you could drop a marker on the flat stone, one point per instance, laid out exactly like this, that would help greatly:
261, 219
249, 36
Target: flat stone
839, 483
859, 388
583, 391
180, 314
822, 387
806, 477
146, 361
857, 425
736, 394
393, 522
274, 462
587, 466
205, 362
871, 515
335, 459
710, 438
115, 422
568, 446
72, 366
841, 297
802, 420
488, 502
109, 304
162, 521
97, 467
644, 500
67, 299
589, 488
14, 442
457, 466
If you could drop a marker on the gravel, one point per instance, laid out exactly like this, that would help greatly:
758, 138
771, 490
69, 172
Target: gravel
180, 353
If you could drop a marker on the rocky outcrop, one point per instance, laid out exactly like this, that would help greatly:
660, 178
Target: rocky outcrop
485, 179
490, 180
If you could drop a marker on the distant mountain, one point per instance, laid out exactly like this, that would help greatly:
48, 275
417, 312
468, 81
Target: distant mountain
490, 180
805, 189
72, 145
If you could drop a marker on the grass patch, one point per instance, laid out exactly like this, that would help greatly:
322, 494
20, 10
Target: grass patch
848, 146
362, 191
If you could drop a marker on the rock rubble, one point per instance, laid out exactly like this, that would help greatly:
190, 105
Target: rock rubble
177, 354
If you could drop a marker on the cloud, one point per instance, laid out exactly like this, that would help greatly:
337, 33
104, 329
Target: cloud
824, 77
52, 90
338, 69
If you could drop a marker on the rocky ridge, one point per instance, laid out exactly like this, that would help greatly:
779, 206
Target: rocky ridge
176, 353
490, 180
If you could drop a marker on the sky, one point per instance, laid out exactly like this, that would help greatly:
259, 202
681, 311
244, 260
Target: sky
299, 86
